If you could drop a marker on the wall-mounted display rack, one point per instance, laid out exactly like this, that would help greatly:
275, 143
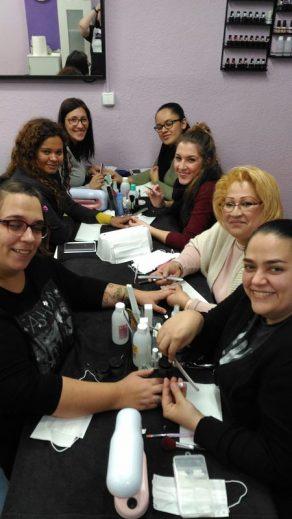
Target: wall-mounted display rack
247, 35
281, 45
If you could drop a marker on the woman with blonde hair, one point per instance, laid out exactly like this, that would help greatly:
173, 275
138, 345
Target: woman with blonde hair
244, 198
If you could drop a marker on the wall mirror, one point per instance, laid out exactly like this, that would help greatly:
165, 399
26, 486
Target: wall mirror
52, 39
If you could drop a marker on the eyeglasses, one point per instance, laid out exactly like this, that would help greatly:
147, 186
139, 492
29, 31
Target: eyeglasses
75, 120
168, 124
19, 227
245, 206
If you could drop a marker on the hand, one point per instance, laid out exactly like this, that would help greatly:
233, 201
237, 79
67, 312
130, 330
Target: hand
94, 169
178, 297
134, 222
153, 297
179, 331
138, 391
177, 408
116, 177
120, 222
154, 174
156, 196
96, 181
170, 268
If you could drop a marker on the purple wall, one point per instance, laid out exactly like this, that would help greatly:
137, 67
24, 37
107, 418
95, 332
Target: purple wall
159, 51
42, 20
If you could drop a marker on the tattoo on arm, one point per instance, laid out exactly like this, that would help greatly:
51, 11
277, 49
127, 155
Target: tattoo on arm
113, 294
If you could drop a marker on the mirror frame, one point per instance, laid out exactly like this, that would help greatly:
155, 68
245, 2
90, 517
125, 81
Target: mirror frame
84, 79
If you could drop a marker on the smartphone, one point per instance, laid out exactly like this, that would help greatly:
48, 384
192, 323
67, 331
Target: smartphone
79, 246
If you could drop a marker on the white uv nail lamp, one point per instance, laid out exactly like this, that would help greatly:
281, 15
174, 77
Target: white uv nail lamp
127, 467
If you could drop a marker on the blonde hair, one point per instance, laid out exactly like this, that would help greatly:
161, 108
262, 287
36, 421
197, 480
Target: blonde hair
262, 182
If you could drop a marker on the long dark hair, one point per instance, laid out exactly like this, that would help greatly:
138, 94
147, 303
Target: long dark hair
166, 154
24, 153
85, 148
200, 135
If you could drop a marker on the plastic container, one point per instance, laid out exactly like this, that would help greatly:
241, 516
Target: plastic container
125, 187
120, 208
192, 486
142, 347
120, 329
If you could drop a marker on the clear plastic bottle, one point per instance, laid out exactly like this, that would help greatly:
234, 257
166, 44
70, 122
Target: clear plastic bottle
125, 187
120, 329
141, 346
148, 312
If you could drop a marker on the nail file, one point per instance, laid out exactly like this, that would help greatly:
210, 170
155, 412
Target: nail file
178, 365
154, 278
133, 301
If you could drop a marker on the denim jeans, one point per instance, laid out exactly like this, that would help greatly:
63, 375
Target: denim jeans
3, 489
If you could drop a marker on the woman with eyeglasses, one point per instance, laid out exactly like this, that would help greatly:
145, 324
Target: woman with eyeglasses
197, 169
38, 296
170, 123
244, 198
39, 158
248, 338
75, 118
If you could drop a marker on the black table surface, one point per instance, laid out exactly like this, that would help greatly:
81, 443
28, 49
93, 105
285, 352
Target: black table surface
71, 484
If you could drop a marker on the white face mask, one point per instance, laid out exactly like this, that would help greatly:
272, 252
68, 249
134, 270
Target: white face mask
62, 432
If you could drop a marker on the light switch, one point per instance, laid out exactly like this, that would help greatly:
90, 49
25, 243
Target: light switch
108, 98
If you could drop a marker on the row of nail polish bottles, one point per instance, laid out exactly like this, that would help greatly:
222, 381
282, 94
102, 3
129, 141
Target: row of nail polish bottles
258, 64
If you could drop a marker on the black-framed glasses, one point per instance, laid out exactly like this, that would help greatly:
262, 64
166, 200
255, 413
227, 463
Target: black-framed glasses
168, 124
245, 205
75, 120
19, 227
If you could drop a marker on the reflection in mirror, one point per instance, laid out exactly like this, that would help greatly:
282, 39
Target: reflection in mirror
53, 38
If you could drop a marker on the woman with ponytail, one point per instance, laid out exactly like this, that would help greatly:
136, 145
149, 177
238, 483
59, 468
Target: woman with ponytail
197, 169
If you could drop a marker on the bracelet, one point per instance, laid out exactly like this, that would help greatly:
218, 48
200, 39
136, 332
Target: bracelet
192, 304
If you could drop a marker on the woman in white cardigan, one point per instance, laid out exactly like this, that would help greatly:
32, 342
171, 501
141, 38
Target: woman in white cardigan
244, 198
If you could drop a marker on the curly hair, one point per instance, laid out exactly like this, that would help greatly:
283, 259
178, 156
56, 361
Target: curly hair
24, 153
262, 182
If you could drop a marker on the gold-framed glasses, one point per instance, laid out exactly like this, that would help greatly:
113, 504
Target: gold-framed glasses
244, 206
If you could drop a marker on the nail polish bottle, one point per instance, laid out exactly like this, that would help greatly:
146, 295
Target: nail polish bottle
245, 37
263, 17
258, 64
251, 64
250, 16
284, 26
238, 16
279, 46
244, 17
256, 18
263, 64
245, 64
278, 27
287, 46
233, 64
240, 64
231, 17
290, 27
227, 64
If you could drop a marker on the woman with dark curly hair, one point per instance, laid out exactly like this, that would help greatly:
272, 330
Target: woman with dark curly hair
39, 158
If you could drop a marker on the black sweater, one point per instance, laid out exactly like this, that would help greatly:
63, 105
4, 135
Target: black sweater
62, 228
36, 334
256, 432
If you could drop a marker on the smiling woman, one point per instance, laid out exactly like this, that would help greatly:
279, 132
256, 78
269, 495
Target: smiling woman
39, 158
248, 338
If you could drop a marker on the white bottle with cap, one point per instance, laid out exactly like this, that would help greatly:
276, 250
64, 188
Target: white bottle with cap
125, 187
120, 329
148, 312
141, 346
